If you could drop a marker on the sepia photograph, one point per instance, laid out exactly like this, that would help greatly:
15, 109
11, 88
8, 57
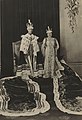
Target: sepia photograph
40, 60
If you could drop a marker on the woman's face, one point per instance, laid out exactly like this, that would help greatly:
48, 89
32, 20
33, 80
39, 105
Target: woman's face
49, 34
30, 31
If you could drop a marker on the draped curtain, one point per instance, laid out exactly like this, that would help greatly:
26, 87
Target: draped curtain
14, 15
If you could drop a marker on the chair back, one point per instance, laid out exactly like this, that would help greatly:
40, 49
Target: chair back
16, 54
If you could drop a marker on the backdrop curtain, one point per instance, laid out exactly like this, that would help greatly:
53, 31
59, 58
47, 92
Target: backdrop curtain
14, 15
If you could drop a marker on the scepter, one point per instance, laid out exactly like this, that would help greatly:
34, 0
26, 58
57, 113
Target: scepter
30, 64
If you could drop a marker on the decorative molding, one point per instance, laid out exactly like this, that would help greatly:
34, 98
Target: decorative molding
76, 66
76, 63
73, 9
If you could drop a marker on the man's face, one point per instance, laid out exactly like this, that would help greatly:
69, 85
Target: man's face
30, 31
49, 34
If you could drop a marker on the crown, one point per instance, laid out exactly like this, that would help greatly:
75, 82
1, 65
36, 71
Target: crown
29, 24
48, 30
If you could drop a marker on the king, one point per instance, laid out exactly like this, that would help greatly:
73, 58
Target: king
29, 47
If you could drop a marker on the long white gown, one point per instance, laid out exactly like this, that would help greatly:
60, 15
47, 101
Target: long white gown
51, 63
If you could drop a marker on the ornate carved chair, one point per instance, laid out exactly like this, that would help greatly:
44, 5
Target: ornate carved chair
16, 54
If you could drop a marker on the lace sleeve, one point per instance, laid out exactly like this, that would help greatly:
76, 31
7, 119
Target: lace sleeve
57, 44
43, 46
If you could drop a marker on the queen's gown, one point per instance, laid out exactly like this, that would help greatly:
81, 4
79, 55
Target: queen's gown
51, 62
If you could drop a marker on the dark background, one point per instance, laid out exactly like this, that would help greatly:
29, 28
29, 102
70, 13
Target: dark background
14, 15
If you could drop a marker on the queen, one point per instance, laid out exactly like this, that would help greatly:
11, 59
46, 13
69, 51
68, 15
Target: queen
49, 49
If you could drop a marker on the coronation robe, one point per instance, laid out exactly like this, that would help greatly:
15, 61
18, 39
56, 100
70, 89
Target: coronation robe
29, 47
